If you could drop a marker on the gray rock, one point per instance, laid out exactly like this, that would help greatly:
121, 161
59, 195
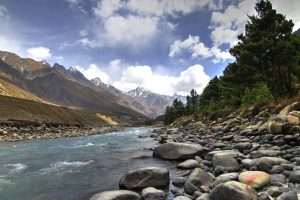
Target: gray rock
178, 151
145, 177
226, 161
292, 195
209, 156
277, 179
182, 198
179, 181
232, 190
203, 197
264, 196
196, 179
264, 153
295, 176
116, 195
152, 193
243, 146
188, 164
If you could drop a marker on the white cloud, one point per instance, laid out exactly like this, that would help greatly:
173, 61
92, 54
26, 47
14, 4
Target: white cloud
192, 78
228, 24
83, 33
73, 2
130, 30
198, 49
39, 53
93, 71
107, 8
290, 9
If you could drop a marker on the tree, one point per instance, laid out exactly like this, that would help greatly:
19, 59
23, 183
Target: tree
192, 102
269, 49
260, 93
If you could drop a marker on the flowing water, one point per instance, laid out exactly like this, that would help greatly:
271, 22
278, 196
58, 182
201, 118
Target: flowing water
72, 168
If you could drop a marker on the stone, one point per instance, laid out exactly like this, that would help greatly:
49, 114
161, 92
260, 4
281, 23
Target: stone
196, 179
277, 179
209, 156
179, 181
145, 177
178, 151
264, 153
255, 179
232, 190
277, 124
243, 146
182, 198
203, 197
293, 120
289, 108
227, 162
116, 195
152, 193
295, 176
292, 195
264, 196
188, 164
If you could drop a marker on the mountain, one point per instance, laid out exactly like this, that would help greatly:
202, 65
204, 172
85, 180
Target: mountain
97, 82
64, 87
155, 104
297, 32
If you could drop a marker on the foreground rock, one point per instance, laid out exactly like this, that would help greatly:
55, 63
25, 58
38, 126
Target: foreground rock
255, 179
145, 177
116, 195
196, 180
233, 190
178, 151
152, 193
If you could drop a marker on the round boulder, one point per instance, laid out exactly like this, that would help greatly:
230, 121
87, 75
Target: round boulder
232, 190
196, 179
188, 164
178, 151
116, 195
255, 179
145, 177
152, 193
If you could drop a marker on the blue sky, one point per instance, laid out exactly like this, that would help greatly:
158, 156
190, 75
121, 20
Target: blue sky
166, 46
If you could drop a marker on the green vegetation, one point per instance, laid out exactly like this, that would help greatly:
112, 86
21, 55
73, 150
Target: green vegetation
266, 67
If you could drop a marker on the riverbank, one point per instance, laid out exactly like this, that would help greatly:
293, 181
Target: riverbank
234, 157
45, 131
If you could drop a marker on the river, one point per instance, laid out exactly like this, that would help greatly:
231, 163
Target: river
73, 168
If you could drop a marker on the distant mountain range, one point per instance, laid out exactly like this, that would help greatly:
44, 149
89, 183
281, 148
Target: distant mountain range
297, 32
27, 79
155, 103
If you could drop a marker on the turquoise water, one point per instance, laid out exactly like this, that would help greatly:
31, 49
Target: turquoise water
72, 168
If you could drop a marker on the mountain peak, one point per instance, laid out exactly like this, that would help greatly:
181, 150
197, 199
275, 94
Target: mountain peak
97, 81
73, 69
139, 92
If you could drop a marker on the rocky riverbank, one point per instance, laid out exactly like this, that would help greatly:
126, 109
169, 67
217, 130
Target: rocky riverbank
11, 133
230, 158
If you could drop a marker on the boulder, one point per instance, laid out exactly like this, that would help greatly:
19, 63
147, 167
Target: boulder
243, 146
264, 153
293, 120
209, 156
226, 161
152, 193
295, 176
232, 190
196, 179
182, 198
178, 151
255, 179
292, 195
277, 124
188, 164
145, 177
116, 195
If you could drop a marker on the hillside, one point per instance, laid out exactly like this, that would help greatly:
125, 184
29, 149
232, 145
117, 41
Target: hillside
70, 88
16, 109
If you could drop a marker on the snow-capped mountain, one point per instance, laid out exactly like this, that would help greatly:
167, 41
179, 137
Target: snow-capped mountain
139, 92
98, 82
155, 103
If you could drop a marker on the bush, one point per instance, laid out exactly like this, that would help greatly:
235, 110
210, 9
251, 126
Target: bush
260, 93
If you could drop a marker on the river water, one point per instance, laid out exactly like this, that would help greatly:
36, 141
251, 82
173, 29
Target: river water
73, 168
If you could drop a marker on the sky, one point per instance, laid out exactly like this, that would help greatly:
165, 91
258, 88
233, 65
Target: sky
167, 46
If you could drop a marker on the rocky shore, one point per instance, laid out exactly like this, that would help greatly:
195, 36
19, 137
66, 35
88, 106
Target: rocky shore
230, 158
18, 132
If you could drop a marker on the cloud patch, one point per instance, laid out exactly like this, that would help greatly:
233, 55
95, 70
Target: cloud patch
39, 53
192, 78
198, 49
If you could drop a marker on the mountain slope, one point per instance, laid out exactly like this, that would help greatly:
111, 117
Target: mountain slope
63, 87
298, 32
